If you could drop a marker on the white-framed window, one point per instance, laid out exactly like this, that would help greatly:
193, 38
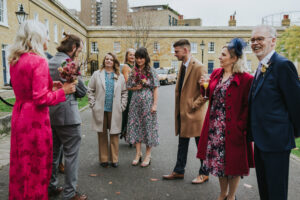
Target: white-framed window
47, 27
94, 47
36, 16
156, 47
248, 48
194, 47
117, 47
211, 47
174, 65
172, 48
3, 13
6, 74
249, 67
210, 66
62, 32
156, 64
55, 33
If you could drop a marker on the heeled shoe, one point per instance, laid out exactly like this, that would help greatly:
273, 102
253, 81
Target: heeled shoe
146, 163
135, 162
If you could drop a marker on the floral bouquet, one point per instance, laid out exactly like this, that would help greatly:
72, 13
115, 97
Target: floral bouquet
140, 78
69, 71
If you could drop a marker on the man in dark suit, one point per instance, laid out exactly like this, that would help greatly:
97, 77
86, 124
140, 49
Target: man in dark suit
66, 123
274, 114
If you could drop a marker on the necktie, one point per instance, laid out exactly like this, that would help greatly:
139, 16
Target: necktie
182, 74
258, 70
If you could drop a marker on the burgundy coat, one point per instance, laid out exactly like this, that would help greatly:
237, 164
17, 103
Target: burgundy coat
238, 151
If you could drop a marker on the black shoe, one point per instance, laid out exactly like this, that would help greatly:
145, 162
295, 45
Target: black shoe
104, 164
54, 191
115, 165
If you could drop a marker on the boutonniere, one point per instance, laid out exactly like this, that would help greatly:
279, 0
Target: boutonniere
264, 67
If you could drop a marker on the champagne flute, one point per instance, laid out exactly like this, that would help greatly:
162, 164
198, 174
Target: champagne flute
205, 84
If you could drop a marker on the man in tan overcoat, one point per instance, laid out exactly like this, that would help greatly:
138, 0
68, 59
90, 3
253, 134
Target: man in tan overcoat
190, 108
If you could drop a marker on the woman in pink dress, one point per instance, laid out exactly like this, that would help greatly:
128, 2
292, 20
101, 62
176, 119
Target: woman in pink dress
31, 137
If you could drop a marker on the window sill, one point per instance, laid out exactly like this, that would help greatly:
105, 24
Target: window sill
4, 24
211, 52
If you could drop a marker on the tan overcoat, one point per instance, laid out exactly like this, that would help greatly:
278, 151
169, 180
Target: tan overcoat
191, 106
96, 96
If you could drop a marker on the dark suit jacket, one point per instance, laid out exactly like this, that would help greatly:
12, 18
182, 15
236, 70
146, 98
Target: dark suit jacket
65, 113
274, 107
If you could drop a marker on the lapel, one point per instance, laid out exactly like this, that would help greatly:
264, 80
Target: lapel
214, 82
102, 77
189, 69
263, 77
116, 78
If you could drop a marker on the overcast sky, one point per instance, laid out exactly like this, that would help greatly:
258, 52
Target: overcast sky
217, 12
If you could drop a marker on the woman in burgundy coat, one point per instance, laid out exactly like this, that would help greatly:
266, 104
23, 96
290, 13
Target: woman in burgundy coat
223, 145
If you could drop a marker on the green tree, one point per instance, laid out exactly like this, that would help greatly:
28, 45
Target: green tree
289, 43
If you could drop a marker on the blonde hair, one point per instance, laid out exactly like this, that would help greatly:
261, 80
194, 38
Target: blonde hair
30, 37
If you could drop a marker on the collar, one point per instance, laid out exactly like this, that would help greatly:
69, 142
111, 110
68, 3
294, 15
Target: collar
187, 62
266, 59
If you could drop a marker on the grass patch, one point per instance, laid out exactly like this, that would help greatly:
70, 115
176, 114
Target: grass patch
7, 108
296, 151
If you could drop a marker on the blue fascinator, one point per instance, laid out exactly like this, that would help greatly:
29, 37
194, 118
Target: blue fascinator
238, 45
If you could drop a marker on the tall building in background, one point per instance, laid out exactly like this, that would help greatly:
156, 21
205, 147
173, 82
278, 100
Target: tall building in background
104, 12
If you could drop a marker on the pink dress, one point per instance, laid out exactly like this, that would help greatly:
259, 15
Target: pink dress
31, 136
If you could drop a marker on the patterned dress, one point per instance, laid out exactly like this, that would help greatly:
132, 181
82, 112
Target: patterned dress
31, 135
142, 124
109, 91
215, 155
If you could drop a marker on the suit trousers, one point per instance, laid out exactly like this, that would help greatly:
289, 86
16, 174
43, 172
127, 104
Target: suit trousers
182, 152
272, 172
104, 146
69, 137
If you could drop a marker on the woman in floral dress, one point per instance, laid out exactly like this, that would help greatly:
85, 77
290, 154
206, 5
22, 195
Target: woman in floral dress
142, 124
31, 135
223, 145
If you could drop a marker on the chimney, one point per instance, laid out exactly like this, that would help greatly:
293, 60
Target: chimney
285, 21
232, 21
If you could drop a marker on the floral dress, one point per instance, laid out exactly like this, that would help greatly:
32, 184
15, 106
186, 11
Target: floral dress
215, 155
142, 125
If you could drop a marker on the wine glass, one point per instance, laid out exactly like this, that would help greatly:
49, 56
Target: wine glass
205, 83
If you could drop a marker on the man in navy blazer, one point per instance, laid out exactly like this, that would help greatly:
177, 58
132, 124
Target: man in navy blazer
274, 108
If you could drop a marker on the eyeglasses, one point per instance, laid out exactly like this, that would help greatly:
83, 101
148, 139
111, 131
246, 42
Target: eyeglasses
258, 39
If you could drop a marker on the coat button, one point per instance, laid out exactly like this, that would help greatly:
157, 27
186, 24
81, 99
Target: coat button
228, 119
228, 132
229, 94
229, 107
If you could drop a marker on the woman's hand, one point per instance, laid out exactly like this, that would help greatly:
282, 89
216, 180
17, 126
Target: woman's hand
69, 88
57, 85
154, 108
203, 79
138, 87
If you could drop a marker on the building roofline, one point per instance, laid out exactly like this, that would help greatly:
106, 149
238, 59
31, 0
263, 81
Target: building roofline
165, 6
179, 28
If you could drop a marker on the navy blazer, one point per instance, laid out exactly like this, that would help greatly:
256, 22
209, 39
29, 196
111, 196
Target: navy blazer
274, 106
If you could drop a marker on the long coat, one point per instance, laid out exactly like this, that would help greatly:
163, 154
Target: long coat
31, 135
239, 152
190, 105
96, 96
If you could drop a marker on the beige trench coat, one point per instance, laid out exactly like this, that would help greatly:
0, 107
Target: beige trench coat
96, 96
191, 106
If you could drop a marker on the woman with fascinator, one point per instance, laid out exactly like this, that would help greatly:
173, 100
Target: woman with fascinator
223, 145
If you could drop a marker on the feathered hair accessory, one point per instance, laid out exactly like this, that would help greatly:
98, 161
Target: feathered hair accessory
238, 45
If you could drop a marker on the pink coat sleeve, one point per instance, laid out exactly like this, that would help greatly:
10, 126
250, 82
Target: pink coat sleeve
42, 93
